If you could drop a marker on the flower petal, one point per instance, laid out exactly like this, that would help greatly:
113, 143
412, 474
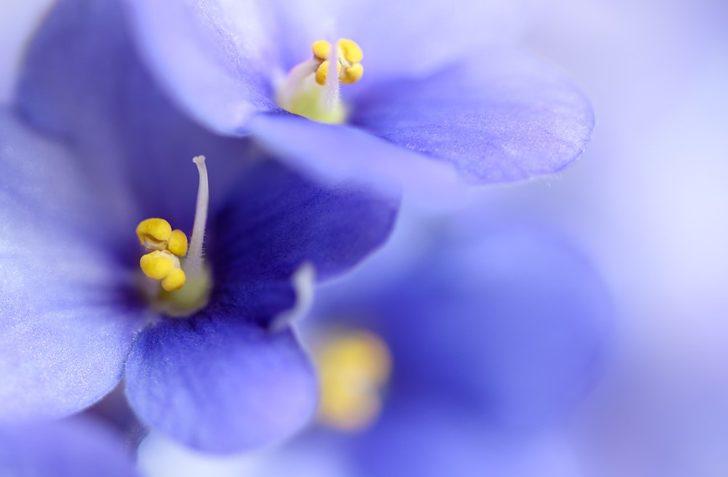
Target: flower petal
423, 438
216, 58
501, 118
218, 383
65, 324
72, 448
276, 221
336, 153
528, 322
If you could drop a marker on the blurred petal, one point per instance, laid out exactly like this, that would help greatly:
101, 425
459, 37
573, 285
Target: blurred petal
65, 323
71, 448
218, 383
336, 153
216, 58
430, 438
276, 221
418, 438
505, 117
18, 20
527, 325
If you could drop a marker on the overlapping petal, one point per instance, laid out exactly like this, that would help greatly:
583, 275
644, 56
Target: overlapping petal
277, 220
501, 116
216, 58
345, 153
219, 383
65, 321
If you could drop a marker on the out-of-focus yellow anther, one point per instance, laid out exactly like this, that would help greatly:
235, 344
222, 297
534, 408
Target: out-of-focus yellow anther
154, 233
353, 368
321, 49
352, 74
157, 265
174, 280
177, 243
350, 50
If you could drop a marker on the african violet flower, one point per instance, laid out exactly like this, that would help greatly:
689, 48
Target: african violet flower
202, 364
430, 98
484, 335
78, 447
507, 322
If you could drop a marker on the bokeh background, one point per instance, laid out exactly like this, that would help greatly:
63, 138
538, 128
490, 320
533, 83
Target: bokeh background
647, 205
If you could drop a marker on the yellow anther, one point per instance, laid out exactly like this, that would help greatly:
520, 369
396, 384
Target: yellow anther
350, 50
353, 368
154, 233
321, 49
323, 70
177, 243
352, 74
174, 280
157, 265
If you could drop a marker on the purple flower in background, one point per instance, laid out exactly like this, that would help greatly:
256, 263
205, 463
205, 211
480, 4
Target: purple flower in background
491, 332
208, 364
432, 101
78, 447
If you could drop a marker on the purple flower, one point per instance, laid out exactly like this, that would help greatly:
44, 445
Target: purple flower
78, 447
492, 332
77, 313
433, 100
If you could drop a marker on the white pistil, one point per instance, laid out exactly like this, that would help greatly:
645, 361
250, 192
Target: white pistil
193, 263
295, 78
330, 97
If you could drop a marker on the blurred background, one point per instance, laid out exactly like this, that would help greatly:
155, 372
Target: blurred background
645, 207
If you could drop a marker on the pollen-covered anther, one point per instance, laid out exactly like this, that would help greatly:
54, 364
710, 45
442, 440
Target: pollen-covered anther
348, 60
154, 233
165, 246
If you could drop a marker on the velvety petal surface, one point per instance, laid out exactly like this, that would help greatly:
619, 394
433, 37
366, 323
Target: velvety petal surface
65, 321
218, 383
337, 153
276, 220
217, 58
501, 116
72, 448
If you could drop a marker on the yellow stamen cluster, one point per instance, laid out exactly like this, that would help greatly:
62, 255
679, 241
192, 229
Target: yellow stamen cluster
353, 368
348, 60
165, 246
